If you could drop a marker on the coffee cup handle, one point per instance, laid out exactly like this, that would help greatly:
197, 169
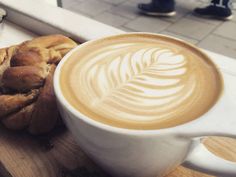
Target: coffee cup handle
201, 159
220, 121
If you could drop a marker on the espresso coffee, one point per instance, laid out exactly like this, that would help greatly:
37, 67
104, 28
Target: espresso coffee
140, 81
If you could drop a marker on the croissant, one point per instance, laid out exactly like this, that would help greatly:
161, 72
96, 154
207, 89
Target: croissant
27, 99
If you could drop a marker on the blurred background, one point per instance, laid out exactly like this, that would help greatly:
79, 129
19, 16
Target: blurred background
215, 35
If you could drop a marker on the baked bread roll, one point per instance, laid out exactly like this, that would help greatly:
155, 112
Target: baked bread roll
27, 99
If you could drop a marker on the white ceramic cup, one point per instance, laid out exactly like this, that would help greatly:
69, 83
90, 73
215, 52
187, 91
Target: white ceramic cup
151, 153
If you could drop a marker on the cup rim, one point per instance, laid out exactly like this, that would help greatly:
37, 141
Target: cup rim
60, 97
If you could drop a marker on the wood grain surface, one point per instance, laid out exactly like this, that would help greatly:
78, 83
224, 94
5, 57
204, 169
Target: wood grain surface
57, 155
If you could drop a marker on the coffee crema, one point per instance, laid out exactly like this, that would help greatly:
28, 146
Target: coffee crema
140, 81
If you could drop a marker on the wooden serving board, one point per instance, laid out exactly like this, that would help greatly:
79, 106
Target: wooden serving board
57, 155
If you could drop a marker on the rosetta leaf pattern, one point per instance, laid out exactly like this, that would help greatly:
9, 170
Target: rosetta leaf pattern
148, 73
143, 85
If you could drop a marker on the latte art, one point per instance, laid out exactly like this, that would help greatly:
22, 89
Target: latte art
138, 85
140, 82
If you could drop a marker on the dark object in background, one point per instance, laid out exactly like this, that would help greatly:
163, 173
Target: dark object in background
3, 171
220, 9
158, 8
217, 9
59, 3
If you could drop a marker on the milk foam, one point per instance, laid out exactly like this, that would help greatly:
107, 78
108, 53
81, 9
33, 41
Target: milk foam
140, 84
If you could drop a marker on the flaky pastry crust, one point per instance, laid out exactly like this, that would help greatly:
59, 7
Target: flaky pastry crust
27, 99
